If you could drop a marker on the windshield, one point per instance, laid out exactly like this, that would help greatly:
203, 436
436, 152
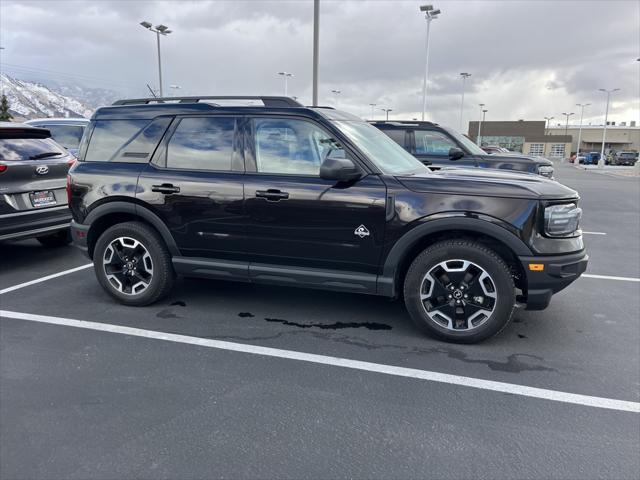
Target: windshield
471, 147
387, 155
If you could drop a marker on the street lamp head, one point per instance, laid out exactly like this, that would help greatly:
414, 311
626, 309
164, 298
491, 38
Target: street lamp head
167, 32
485, 111
145, 24
426, 8
465, 75
435, 13
161, 28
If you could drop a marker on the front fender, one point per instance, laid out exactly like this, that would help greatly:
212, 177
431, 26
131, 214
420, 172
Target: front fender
488, 226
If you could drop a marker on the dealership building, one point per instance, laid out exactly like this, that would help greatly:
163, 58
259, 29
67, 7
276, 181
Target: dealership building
533, 138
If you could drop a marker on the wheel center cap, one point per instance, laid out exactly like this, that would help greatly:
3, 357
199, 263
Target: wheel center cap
457, 294
130, 265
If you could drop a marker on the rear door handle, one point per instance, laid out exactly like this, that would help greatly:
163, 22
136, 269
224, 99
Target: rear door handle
165, 188
272, 195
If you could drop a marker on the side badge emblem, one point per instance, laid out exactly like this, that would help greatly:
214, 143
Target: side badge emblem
361, 231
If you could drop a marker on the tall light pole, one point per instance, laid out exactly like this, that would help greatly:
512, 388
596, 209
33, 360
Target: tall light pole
158, 30
337, 94
480, 125
464, 76
566, 126
484, 113
548, 119
387, 110
316, 49
429, 14
373, 106
604, 131
286, 76
581, 105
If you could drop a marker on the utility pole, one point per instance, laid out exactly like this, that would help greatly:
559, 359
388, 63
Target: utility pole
158, 30
286, 76
484, 113
479, 126
548, 119
581, 105
387, 110
464, 76
429, 15
604, 132
316, 40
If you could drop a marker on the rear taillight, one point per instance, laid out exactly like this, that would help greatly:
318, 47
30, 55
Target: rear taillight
68, 189
3, 168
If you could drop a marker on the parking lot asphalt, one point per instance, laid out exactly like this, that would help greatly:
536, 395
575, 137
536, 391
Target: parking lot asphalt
78, 403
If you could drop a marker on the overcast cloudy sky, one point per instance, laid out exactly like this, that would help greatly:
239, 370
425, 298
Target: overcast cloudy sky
528, 59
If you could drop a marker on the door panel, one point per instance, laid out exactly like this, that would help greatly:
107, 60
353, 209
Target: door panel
300, 219
201, 206
315, 226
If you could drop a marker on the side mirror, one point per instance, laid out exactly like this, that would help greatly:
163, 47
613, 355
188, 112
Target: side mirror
455, 153
339, 168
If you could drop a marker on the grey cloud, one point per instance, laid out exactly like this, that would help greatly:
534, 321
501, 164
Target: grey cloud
372, 51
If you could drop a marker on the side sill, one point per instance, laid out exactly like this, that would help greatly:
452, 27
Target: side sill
276, 275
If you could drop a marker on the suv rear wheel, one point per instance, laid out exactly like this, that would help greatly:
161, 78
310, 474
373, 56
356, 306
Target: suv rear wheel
460, 291
132, 264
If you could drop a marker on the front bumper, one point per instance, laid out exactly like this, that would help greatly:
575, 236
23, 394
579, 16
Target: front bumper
557, 272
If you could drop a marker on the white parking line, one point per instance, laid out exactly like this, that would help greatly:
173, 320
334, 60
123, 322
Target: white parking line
593, 233
607, 277
514, 389
44, 279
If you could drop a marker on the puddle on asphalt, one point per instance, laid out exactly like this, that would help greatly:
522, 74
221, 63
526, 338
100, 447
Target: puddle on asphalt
332, 326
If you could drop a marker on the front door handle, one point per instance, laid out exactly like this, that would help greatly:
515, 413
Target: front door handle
165, 188
272, 195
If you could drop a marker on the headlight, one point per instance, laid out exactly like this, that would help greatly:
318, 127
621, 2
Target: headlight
562, 220
545, 171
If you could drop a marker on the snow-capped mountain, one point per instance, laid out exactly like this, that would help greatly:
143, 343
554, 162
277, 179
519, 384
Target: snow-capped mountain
35, 100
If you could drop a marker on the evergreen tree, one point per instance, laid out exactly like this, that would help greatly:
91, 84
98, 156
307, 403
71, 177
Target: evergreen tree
5, 116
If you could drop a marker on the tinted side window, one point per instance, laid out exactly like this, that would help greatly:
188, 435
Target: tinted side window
433, 143
290, 146
109, 136
397, 136
206, 143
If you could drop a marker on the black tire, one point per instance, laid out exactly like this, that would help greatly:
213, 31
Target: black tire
500, 283
58, 239
162, 277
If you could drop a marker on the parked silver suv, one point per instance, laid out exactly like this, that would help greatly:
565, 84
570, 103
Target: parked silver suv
33, 199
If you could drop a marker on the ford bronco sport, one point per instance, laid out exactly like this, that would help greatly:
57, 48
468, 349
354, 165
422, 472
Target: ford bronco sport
313, 197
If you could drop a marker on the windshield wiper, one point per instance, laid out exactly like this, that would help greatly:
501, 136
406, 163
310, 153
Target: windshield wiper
44, 155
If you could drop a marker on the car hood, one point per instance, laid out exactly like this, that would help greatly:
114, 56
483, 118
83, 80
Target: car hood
510, 157
488, 183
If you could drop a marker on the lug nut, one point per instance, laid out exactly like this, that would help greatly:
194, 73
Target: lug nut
466, 296
458, 302
450, 296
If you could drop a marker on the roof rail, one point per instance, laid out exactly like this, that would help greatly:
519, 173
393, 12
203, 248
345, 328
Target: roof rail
268, 101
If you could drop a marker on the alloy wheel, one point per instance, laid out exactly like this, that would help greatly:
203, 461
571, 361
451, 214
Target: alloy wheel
458, 295
127, 265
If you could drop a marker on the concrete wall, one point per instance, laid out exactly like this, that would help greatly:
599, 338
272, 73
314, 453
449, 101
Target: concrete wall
619, 138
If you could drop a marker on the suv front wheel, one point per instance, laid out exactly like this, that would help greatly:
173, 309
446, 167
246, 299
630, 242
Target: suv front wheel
460, 291
132, 264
